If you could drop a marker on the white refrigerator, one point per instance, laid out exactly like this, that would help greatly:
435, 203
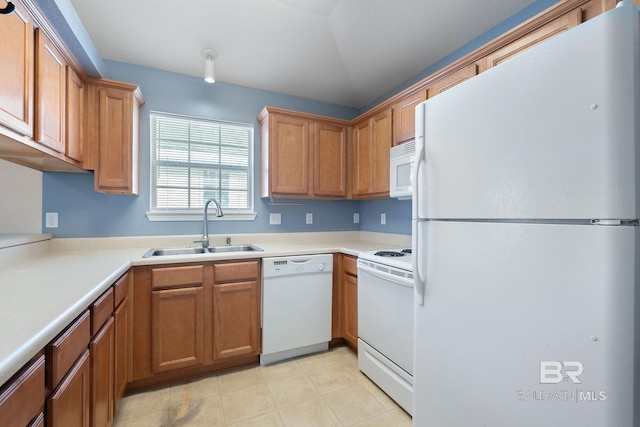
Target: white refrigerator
526, 249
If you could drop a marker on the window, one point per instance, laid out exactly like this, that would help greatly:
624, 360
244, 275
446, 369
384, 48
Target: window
193, 160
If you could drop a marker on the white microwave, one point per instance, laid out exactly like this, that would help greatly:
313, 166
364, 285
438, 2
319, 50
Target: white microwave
401, 170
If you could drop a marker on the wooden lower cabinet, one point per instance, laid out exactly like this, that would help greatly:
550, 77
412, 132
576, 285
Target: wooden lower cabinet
69, 404
121, 352
176, 328
102, 376
189, 319
350, 301
234, 325
22, 398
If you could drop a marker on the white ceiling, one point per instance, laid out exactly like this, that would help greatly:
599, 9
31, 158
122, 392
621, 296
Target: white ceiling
347, 52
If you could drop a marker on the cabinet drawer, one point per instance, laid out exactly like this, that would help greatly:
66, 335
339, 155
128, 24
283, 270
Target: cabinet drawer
66, 348
235, 271
23, 398
121, 288
350, 265
101, 310
177, 277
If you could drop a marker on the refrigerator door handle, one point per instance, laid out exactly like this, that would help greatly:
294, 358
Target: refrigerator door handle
419, 161
418, 281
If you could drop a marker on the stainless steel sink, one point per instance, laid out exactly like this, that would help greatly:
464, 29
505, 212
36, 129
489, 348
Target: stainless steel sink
234, 248
194, 251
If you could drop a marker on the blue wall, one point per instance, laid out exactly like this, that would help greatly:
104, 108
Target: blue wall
85, 213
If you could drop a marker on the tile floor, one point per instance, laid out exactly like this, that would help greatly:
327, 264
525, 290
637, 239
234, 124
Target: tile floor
325, 389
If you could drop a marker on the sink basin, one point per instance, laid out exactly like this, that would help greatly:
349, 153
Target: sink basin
234, 248
194, 251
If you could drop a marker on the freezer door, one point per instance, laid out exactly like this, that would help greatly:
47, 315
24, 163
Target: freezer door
527, 325
549, 134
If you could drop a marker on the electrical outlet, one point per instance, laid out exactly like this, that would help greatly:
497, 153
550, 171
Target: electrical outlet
383, 218
356, 218
309, 218
51, 220
275, 219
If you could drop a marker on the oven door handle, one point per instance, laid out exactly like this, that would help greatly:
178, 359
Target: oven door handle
386, 276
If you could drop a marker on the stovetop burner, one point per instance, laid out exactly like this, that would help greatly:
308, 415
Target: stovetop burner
389, 253
406, 251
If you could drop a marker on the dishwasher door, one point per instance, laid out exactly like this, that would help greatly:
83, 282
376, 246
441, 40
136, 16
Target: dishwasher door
296, 306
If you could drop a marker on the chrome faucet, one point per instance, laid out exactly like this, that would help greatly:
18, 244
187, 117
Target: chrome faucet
205, 235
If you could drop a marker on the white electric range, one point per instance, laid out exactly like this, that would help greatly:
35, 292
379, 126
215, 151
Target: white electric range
385, 322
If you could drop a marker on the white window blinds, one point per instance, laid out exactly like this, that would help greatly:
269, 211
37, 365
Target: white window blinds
193, 160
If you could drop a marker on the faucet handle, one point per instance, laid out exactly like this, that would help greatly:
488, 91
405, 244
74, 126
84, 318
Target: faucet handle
204, 241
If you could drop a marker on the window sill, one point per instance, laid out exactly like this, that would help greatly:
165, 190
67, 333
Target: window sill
197, 216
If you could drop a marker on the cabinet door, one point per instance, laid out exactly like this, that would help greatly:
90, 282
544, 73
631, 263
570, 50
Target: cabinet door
22, 398
68, 405
289, 155
350, 314
17, 71
382, 136
121, 351
117, 168
102, 363
362, 158
75, 115
236, 319
553, 28
176, 329
50, 94
404, 117
452, 79
330, 160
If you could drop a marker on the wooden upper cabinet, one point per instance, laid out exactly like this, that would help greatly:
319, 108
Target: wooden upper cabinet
289, 155
16, 70
372, 139
112, 137
302, 155
50, 105
330, 160
450, 80
75, 115
362, 158
404, 117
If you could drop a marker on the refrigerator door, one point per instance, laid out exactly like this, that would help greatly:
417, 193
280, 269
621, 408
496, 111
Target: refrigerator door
549, 134
527, 325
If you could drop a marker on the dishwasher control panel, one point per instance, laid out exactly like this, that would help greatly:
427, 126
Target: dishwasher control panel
301, 264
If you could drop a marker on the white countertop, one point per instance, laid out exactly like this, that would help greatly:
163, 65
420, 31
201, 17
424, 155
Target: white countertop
46, 283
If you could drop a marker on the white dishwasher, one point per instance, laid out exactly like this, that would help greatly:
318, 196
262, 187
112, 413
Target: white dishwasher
296, 306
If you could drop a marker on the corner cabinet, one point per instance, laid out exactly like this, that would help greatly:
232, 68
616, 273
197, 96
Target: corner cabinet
371, 142
112, 136
302, 155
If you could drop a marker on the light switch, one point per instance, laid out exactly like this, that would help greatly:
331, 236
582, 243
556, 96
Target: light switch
309, 218
383, 218
356, 218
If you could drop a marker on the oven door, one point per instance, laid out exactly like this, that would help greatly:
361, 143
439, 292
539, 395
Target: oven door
385, 312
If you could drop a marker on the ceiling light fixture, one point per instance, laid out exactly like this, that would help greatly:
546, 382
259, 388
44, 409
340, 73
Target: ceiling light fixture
209, 66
